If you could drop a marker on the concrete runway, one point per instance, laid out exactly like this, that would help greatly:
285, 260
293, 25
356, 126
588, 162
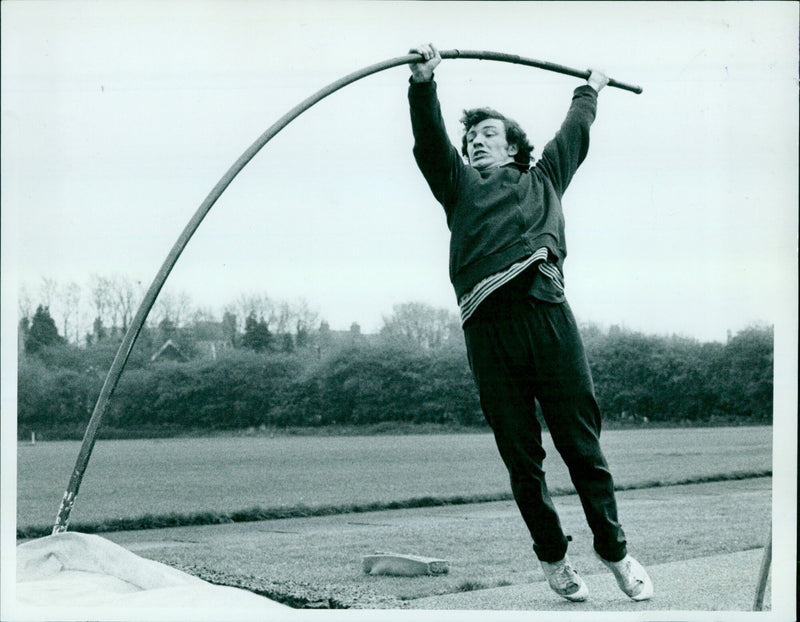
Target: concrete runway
714, 583
705, 559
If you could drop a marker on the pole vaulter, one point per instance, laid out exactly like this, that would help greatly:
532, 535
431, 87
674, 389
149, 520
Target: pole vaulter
129, 339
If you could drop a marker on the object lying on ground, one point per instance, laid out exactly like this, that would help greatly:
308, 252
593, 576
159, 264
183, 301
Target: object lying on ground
401, 565
74, 569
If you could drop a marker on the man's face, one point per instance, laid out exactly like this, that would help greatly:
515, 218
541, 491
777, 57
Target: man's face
487, 146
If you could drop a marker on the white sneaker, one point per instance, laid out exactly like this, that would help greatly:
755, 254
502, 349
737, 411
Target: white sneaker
564, 580
631, 577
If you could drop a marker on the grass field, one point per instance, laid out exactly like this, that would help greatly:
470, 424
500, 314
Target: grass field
130, 479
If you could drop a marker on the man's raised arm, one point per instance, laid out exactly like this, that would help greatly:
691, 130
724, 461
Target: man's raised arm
562, 156
438, 160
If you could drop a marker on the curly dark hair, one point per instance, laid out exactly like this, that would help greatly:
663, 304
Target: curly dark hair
515, 135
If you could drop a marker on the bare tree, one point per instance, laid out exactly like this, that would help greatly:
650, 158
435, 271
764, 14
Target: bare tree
305, 317
24, 303
203, 315
100, 288
53, 297
70, 309
420, 324
282, 317
174, 307
124, 294
259, 305
48, 292
305, 320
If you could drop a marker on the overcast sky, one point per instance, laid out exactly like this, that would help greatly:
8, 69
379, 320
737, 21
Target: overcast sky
118, 119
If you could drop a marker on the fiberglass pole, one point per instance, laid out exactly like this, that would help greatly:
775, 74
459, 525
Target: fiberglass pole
129, 339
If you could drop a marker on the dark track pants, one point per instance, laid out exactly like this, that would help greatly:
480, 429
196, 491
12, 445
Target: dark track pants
521, 350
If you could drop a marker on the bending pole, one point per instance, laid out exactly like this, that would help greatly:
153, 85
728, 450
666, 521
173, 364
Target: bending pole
763, 574
128, 340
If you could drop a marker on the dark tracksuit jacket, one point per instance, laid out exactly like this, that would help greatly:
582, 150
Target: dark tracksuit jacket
499, 216
522, 341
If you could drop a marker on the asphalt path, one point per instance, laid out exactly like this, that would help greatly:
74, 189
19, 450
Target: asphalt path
702, 542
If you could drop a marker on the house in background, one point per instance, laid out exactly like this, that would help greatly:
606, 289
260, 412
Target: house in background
209, 338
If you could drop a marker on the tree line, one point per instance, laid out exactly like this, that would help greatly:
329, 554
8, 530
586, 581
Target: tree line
414, 371
104, 308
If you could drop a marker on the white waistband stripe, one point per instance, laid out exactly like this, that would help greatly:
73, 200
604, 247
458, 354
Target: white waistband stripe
470, 301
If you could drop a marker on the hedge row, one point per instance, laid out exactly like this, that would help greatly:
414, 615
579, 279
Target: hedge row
636, 377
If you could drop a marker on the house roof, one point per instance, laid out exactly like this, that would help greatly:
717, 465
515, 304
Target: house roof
171, 350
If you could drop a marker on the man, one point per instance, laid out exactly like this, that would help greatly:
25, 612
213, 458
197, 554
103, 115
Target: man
507, 249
